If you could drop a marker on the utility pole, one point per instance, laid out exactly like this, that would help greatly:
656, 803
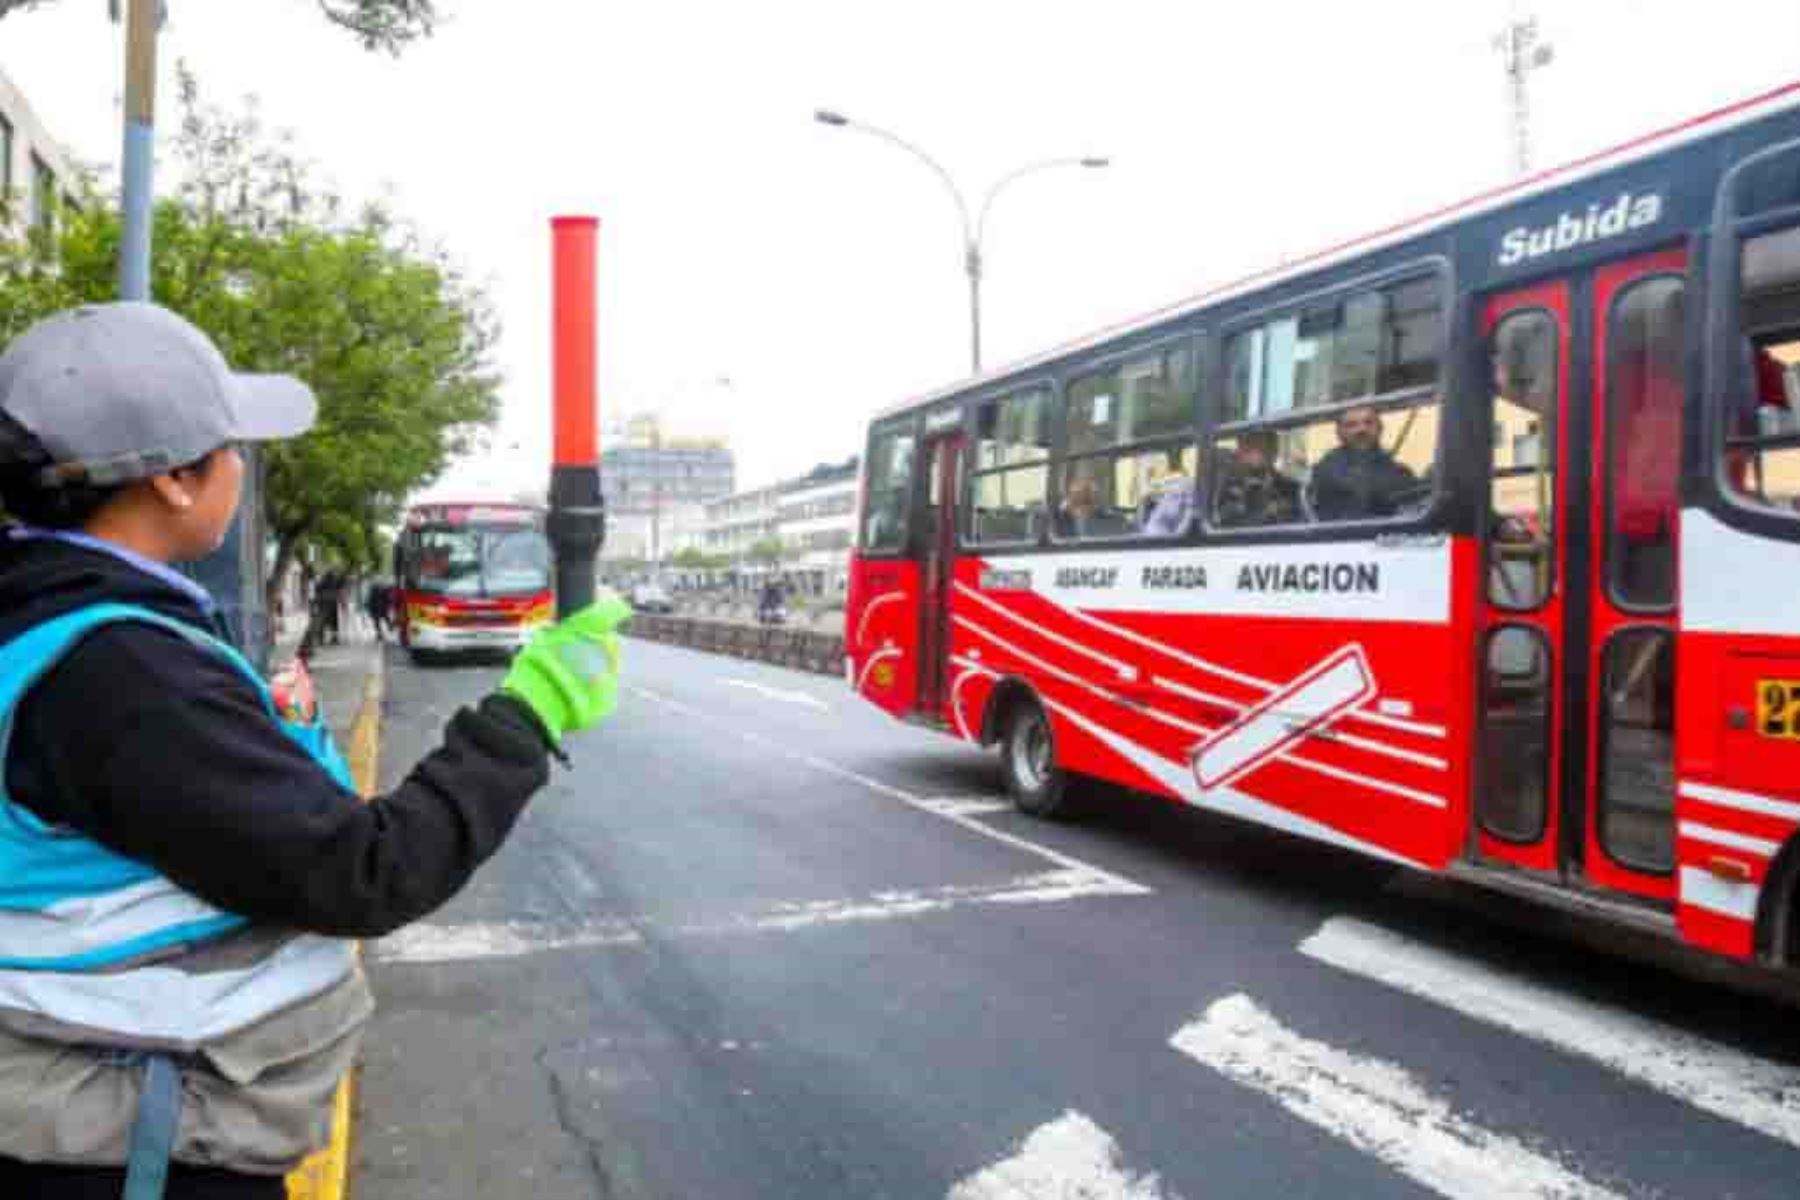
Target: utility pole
1521, 53
139, 159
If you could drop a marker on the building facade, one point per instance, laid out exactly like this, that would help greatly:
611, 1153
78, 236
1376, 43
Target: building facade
812, 518
656, 489
37, 176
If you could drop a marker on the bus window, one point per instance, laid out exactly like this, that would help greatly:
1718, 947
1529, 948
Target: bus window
1512, 800
1643, 439
1335, 401
1012, 471
888, 487
1522, 461
1130, 461
1637, 750
1762, 443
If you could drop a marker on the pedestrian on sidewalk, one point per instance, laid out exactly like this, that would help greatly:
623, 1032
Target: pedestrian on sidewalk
181, 864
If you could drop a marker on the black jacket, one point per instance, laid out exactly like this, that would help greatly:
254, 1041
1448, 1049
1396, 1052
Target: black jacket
1349, 484
161, 751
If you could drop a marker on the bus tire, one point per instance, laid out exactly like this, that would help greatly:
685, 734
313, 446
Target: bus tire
1038, 787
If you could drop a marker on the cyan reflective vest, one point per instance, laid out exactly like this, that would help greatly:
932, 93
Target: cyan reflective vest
101, 948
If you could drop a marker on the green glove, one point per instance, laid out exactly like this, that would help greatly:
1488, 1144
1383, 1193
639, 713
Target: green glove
569, 673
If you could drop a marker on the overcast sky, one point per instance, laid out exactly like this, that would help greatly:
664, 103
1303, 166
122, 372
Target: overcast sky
819, 270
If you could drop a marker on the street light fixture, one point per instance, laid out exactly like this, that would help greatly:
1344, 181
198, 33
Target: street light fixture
973, 232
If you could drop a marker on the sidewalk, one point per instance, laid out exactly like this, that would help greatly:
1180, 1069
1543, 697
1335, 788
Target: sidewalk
340, 673
348, 680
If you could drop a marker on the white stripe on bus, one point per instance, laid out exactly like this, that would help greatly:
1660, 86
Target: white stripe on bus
1757, 1093
1745, 801
1374, 1105
862, 625
1123, 670
1725, 837
1700, 888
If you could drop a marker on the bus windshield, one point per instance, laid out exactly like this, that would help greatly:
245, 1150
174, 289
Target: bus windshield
472, 561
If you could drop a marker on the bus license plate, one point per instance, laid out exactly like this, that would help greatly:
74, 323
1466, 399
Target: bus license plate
1778, 708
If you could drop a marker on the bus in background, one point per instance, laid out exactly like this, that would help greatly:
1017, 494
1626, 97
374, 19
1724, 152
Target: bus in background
471, 576
1469, 545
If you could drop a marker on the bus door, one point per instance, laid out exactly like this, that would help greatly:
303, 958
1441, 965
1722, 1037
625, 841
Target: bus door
936, 548
1574, 747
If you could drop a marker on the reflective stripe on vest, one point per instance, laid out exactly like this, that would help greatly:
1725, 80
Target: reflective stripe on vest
95, 940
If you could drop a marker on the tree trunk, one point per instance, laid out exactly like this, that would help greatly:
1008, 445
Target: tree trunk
287, 544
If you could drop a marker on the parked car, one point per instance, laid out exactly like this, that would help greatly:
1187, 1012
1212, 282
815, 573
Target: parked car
650, 598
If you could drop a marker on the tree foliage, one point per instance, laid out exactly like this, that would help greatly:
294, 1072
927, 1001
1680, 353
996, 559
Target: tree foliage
394, 342
389, 25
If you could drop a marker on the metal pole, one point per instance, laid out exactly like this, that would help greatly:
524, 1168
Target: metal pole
972, 263
577, 523
139, 159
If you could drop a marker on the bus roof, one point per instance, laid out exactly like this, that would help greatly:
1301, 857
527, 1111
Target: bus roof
1540, 182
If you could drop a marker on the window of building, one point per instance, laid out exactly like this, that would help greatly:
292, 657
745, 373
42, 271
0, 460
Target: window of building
1762, 442
889, 490
1009, 482
1130, 453
1335, 406
1643, 439
43, 195
6, 163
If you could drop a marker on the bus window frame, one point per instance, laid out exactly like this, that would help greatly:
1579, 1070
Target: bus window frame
909, 422
1052, 387
1556, 544
1197, 344
1608, 530
1430, 514
1725, 336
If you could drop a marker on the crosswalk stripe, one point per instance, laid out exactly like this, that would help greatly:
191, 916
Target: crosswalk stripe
1376, 1107
1750, 1091
1071, 1158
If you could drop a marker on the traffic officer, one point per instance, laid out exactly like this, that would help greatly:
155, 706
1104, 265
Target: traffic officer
181, 868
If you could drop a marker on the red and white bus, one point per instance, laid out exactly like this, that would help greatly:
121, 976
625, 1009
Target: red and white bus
1472, 545
471, 576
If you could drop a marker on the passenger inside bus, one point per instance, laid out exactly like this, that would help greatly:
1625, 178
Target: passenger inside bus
1254, 492
1360, 478
1168, 504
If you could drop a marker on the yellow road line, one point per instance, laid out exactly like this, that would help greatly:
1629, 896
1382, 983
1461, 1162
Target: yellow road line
326, 1175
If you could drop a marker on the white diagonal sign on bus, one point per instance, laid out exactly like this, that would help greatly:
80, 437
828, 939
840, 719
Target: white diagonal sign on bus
1320, 694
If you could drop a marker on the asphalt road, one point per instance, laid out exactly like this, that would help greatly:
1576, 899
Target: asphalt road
761, 941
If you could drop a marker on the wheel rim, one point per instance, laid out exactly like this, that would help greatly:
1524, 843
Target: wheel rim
1031, 752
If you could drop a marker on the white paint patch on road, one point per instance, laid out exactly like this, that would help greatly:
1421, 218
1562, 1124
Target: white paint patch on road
461, 943
1750, 1091
1071, 1158
1375, 1106
430, 943
778, 694
955, 806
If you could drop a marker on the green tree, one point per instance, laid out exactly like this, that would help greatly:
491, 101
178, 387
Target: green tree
393, 341
389, 25
768, 551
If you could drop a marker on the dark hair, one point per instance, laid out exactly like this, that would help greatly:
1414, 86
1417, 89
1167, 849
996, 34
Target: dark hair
23, 495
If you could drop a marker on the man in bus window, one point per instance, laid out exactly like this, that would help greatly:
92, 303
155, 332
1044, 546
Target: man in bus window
1254, 492
1080, 503
1359, 478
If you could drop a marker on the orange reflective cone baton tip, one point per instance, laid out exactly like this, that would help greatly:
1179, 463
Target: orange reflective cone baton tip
577, 522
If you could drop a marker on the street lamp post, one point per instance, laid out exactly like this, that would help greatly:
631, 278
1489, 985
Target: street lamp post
972, 231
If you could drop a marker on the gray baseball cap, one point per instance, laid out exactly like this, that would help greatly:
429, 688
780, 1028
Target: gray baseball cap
124, 391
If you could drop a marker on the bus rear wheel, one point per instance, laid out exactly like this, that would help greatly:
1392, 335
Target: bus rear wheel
1038, 786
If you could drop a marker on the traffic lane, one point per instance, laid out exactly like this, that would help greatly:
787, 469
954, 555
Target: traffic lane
899, 1055
662, 812
1538, 1088
1168, 967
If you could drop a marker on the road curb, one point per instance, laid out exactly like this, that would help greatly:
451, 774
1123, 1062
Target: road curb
326, 1175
